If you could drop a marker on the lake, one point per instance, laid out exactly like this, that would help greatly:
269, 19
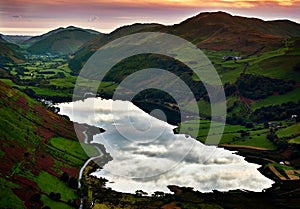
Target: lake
148, 156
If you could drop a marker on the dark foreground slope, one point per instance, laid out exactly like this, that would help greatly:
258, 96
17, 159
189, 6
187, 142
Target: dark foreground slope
37, 147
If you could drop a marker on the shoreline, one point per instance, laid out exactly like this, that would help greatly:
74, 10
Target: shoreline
101, 153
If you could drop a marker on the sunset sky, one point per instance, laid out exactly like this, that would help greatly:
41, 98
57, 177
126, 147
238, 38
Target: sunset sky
33, 17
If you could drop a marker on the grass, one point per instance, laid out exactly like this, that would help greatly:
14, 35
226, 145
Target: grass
49, 183
204, 108
289, 131
256, 141
231, 76
8, 199
295, 140
278, 67
73, 148
16, 131
293, 96
231, 134
54, 204
19, 127
8, 81
49, 92
228, 71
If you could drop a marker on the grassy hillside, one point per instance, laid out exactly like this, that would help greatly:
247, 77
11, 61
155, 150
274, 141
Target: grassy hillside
35, 153
61, 41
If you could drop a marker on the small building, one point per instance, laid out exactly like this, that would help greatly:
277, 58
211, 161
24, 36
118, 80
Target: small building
227, 58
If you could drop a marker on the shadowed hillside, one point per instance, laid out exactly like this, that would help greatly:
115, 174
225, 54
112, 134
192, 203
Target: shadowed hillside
9, 53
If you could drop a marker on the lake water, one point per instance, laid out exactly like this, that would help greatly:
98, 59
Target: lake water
148, 156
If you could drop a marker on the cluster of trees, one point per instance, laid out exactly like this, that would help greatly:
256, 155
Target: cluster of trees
135, 63
154, 95
21, 70
259, 87
58, 75
55, 196
236, 119
46, 72
279, 143
266, 114
276, 112
71, 181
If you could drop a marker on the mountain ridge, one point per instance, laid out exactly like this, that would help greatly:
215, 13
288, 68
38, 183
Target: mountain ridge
209, 30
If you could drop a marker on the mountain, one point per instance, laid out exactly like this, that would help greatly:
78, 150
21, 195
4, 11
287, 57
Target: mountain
90, 47
35, 39
34, 154
9, 53
222, 31
212, 31
61, 41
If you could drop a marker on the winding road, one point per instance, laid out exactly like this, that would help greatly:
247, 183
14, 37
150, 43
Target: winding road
86, 163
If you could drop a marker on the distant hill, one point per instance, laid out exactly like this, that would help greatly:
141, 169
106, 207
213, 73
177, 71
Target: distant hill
9, 52
212, 31
35, 39
16, 39
61, 41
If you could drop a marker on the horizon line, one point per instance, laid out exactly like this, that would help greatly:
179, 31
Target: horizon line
108, 31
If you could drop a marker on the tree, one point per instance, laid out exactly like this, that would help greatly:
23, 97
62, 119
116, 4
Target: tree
36, 197
73, 183
244, 133
140, 193
158, 194
64, 177
266, 125
271, 136
55, 196
249, 125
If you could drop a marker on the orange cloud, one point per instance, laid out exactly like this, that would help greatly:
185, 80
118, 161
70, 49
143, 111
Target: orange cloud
186, 3
106, 15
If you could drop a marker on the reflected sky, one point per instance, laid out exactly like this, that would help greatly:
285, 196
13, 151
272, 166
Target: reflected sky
147, 155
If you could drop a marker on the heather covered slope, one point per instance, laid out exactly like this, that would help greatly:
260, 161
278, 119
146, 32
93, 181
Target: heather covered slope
222, 31
37, 147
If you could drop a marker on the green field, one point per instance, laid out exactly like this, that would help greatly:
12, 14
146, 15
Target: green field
8, 198
292, 133
73, 148
295, 140
231, 135
277, 99
54, 204
49, 183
